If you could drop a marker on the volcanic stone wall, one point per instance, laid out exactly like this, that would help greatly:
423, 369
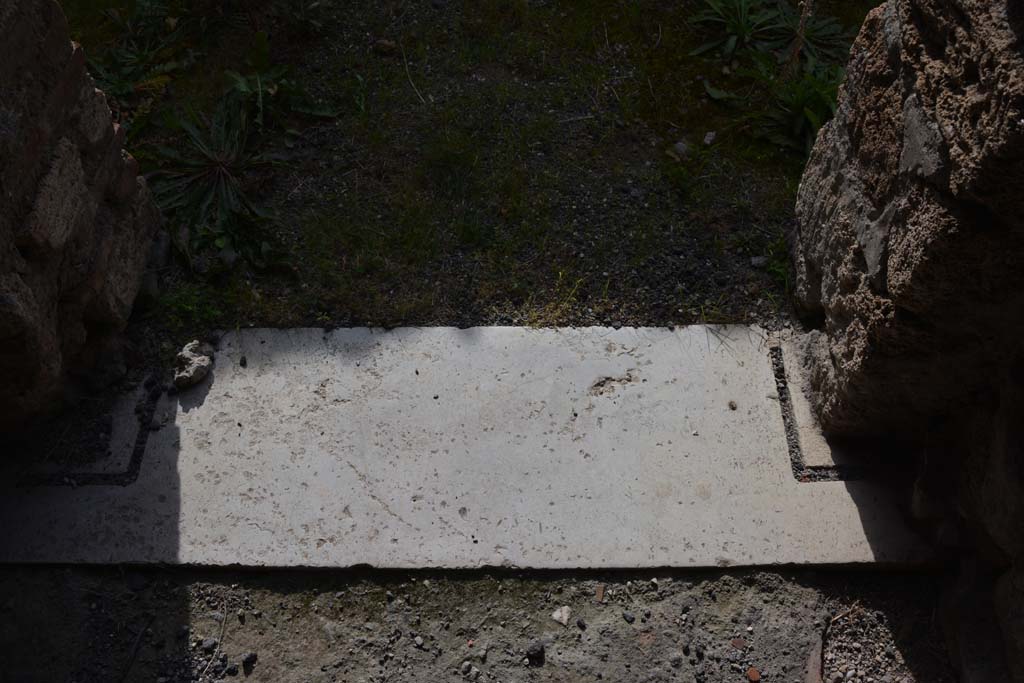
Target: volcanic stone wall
909, 257
76, 221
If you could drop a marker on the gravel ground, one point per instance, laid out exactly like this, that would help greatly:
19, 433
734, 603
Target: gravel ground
186, 625
539, 163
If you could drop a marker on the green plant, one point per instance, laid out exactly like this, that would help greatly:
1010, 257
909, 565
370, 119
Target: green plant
808, 36
272, 95
149, 47
739, 25
801, 105
359, 96
269, 91
201, 187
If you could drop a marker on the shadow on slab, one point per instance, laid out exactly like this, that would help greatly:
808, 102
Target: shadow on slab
916, 633
75, 608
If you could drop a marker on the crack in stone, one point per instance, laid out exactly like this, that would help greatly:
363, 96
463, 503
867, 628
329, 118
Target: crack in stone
368, 487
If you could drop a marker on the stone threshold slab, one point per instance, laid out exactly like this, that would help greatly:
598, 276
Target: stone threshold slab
468, 448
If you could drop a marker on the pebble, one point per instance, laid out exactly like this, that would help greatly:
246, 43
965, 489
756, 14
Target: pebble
562, 614
209, 644
192, 364
629, 617
679, 151
419, 641
249, 658
535, 653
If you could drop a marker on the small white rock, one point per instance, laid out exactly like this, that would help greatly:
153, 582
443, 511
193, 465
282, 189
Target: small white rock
193, 364
561, 615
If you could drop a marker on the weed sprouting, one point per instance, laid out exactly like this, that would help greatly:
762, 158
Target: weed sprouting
738, 25
151, 45
802, 104
269, 91
792, 65
821, 39
201, 185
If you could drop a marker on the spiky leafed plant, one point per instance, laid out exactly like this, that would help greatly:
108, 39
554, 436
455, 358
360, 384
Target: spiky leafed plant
149, 47
802, 104
200, 185
738, 24
804, 35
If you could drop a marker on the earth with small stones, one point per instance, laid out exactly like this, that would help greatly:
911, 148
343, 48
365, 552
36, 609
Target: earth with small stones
191, 625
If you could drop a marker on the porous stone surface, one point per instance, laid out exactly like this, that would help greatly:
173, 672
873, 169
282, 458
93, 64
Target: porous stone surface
192, 364
908, 252
76, 221
911, 216
446, 448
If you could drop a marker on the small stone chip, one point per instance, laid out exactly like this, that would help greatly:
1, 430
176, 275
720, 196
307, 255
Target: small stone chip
561, 615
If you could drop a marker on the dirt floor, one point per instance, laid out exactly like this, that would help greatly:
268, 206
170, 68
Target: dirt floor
159, 625
526, 163
539, 163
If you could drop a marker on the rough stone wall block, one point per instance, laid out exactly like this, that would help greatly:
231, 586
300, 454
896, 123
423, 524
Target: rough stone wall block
76, 220
911, 215
909, 257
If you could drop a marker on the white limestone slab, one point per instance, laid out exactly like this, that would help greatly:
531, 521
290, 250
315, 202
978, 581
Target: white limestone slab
447, 448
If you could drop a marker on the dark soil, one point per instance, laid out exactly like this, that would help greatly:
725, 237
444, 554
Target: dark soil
495, 162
